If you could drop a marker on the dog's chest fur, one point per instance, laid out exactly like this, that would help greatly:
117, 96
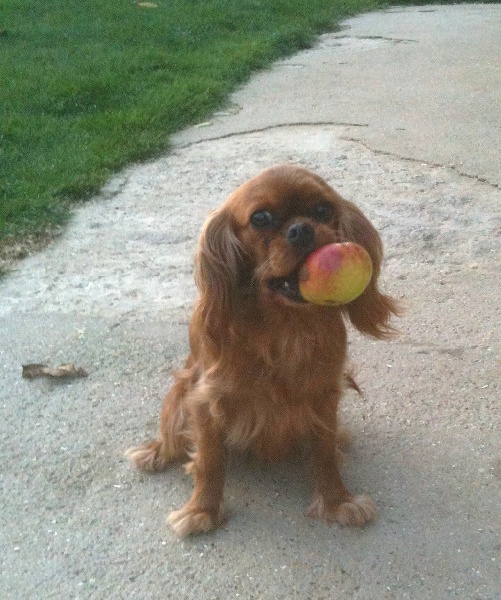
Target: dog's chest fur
280, 384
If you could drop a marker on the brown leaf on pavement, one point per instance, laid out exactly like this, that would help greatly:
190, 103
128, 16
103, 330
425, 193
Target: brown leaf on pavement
67, 371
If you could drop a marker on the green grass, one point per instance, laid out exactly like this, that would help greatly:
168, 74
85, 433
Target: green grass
87, 87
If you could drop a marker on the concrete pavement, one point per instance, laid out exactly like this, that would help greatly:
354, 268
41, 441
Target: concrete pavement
400, 112
419, 83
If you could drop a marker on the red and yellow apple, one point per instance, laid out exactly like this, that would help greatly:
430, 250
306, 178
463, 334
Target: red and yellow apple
335, 274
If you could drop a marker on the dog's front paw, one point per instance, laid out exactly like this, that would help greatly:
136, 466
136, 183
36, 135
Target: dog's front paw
188, 521
355, 510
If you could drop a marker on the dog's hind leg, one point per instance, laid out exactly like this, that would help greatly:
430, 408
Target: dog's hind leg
173, 441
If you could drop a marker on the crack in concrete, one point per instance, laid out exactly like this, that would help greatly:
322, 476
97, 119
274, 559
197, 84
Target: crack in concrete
114, 186
224, 136
378, 37
453, 167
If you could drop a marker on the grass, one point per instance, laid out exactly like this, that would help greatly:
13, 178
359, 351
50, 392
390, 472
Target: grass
88, 87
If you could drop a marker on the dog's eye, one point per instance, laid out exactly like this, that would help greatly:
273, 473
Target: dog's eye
323, 212
263, 219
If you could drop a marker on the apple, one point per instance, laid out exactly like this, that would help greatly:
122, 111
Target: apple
335, 274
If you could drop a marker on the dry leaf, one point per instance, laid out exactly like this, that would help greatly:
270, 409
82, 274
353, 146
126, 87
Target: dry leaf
62, 372
146, 5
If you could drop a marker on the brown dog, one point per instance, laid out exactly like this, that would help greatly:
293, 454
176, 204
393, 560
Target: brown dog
267, 369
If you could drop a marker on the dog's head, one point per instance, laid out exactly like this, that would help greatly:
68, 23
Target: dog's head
252, 247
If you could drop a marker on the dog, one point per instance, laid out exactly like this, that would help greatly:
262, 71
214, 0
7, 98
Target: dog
266, 370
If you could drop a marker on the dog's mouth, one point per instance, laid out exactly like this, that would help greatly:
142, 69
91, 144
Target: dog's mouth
288, 287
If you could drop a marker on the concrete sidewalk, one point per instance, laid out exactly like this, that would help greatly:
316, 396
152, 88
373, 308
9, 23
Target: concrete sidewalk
400, 112
421, 83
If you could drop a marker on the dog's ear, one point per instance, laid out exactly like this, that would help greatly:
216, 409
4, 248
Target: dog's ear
219, 268
370, 313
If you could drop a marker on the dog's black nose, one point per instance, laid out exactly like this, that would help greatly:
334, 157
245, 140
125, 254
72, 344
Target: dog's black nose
301, 235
